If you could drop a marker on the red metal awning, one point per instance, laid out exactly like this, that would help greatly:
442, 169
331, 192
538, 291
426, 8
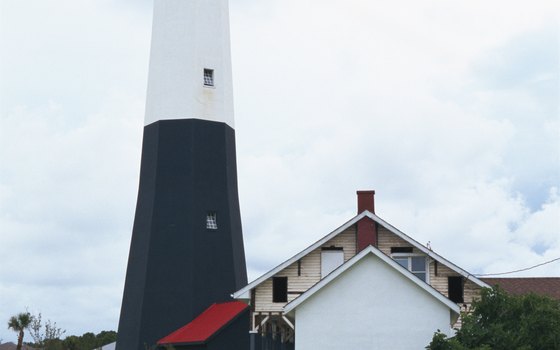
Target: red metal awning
206, 324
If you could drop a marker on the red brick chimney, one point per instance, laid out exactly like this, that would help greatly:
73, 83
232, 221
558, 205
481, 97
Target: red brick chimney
367, 228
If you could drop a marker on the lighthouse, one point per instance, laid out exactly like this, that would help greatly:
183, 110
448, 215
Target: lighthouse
186, 250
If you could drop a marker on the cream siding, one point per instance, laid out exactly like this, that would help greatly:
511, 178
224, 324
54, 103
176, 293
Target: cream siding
472, 292
310, 273
311, 270
386, 239
439, 282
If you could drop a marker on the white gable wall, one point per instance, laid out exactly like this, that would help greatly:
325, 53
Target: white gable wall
370, 306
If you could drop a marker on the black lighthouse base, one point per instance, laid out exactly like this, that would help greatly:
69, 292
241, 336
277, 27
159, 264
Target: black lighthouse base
187, 246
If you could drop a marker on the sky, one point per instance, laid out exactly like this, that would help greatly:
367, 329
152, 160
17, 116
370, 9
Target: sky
449, 110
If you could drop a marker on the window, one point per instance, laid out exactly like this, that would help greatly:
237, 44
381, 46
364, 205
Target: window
401, 250
331, 258
455, 289
413, 263
208, 77
212, 221
279, 289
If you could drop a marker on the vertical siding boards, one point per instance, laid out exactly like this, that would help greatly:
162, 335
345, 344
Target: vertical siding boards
310, 273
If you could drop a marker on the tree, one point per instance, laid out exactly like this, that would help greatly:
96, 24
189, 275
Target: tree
47, 337
88, 341
19, 324
500, 321
71, 343
106, 337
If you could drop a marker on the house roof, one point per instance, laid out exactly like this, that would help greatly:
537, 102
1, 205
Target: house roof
351, 262
243, 293
548, 286
205, 325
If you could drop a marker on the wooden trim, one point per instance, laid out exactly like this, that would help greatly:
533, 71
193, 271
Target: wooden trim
332, 247
263, 322
288, 322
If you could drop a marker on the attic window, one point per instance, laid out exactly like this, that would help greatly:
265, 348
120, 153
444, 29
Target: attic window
279, 289
208, 77
413, 263
455, 289
212, 221
331, 259
401, 250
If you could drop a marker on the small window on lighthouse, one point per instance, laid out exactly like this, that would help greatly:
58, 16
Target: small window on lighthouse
212, 221
208, 77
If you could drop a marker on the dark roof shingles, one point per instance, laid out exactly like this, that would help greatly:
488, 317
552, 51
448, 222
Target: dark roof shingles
548, 286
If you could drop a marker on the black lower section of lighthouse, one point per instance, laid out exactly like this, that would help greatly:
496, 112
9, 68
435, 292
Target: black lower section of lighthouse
187, 246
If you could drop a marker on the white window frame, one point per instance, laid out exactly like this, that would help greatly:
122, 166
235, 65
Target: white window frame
409, 268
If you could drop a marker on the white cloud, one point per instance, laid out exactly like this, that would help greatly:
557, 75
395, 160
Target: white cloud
372, 96
67, 206
72, 93
413, 99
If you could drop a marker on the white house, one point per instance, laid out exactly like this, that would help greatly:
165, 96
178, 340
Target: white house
370, 302
362, 277
108, 346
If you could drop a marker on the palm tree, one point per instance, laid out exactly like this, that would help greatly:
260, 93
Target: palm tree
18, 324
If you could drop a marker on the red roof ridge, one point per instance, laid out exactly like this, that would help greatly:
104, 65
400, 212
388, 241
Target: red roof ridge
205, 325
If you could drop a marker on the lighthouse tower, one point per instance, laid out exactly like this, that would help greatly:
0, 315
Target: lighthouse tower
187, 246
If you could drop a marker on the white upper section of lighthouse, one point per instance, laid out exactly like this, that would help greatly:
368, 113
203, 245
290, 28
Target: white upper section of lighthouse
190, 63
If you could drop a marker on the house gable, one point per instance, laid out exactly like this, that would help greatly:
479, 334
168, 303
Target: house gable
389, 264
388, 237
428, 252
244, 293
370, 300
303, 273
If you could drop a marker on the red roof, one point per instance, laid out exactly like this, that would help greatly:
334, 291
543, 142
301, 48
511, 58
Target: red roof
206, 324
549, 286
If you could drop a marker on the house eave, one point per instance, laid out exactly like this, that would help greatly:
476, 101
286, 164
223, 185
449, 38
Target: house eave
242, 293
293, 259
291, 306
468, 276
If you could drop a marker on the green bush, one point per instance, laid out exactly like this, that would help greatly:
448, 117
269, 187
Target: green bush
500, 321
